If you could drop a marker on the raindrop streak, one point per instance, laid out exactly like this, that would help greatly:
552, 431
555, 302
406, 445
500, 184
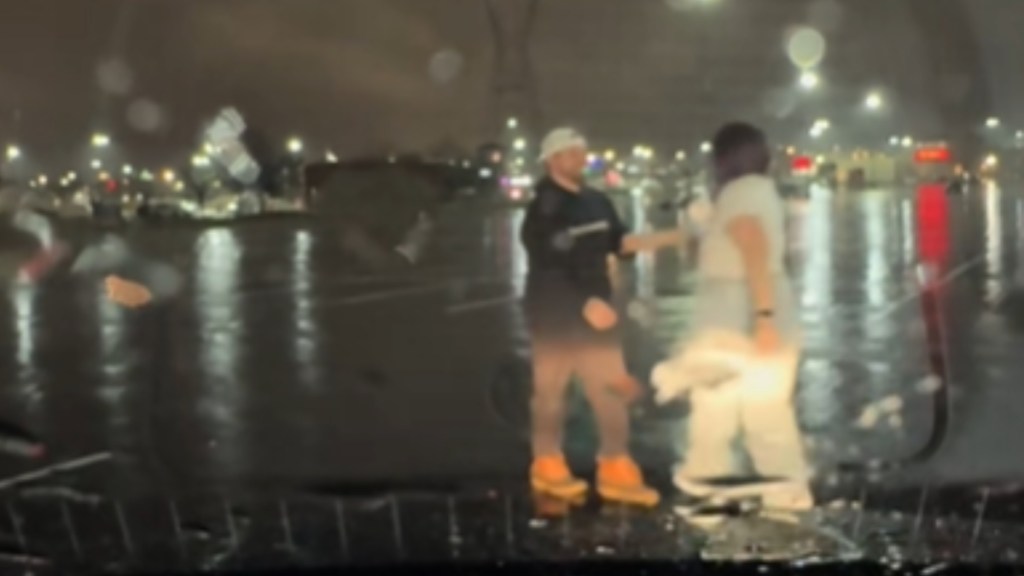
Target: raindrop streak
920, 516
510, 534
979, 520
125, 534
454, 538
339, 510
232, 534
176, 520
860, 510
70, 525
286, 526
396, 522
16, 526
805, 47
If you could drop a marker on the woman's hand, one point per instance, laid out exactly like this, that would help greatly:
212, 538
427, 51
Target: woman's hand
767, 339
600, 314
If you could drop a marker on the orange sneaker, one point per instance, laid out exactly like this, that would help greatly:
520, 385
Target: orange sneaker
550, 475
619, 480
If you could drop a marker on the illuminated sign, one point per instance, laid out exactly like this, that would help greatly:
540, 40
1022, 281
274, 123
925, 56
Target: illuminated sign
932, 155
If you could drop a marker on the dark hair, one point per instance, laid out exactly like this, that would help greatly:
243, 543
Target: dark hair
740, 149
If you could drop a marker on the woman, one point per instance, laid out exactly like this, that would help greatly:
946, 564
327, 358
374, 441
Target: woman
739, 361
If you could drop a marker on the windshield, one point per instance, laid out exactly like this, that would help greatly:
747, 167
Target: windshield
480, 281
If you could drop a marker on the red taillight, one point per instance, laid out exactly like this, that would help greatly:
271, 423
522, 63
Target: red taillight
802, 164
111, 186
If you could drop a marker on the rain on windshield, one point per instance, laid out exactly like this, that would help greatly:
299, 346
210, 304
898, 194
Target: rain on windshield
477, 281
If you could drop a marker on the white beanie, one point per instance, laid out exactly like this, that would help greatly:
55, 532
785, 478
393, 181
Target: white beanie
561, 139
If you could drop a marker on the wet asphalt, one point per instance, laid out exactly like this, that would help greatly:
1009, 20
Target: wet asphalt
286, 368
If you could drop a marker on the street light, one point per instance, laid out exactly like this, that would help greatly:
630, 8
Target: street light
330, 157
100, 140
680, 155
609, 155
894, 141
13, 152
519, 144
992, 122
873, 101
96, 164
907, 142
705, 147
809, 80
169, 176
512, 123
819, 127
127, 169
294, 145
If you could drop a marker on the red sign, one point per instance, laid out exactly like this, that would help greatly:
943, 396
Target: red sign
933, 155
803, 164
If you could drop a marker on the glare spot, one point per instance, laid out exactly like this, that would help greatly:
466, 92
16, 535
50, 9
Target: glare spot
640, 313
891, 404
805, 47
114, 76
929, 384
868, 418
145, 115
445, 66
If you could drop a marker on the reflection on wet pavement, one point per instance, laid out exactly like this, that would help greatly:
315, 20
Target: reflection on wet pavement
282, 366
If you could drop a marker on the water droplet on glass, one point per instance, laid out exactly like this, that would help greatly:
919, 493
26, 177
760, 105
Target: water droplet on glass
145, 115
868, 418
114, 76
445, 66
929, 384
805, 47
891, 404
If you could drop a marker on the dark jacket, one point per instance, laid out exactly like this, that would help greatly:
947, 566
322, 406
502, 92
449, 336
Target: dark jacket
568, 237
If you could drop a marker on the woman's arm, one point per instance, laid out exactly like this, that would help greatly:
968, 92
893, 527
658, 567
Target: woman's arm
748, 235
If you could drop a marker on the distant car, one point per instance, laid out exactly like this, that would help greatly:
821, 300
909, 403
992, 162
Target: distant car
795, 179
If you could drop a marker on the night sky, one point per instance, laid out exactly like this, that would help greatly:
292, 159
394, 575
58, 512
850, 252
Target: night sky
355, 74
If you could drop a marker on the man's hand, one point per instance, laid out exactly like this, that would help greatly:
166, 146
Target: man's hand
127, 293
652, 241
600, 314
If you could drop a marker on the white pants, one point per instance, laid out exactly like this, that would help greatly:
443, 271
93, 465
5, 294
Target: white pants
757, 406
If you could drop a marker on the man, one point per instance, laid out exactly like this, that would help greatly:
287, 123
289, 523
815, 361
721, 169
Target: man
569, 232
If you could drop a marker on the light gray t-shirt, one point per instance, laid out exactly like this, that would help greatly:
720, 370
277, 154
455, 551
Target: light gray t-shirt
754, 196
